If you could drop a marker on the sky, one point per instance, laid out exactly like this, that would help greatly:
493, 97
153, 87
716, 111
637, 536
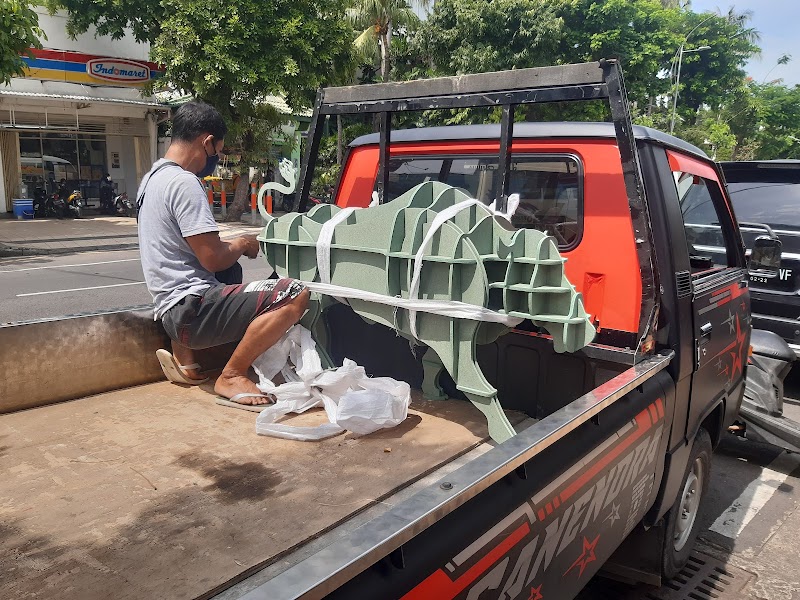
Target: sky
778, 22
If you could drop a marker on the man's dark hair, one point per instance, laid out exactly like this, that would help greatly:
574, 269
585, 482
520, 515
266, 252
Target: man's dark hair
196, 118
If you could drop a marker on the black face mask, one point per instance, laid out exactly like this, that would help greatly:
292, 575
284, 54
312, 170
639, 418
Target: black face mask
211, 162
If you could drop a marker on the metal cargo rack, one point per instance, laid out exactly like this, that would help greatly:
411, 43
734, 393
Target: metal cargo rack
506, 90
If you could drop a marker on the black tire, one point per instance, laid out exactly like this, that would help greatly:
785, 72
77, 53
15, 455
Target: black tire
682, 521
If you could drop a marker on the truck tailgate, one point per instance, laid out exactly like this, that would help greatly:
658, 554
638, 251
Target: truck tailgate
155, 491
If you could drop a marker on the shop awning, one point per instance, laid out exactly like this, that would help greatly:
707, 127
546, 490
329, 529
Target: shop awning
80, 98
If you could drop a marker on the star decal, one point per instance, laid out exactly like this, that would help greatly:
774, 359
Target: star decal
586, 556
536, 593
614, 515
719, 364
729, 321
740, 350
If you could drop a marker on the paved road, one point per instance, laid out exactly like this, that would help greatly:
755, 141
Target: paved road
50, 286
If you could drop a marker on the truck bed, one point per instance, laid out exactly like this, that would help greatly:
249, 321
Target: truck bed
156, 491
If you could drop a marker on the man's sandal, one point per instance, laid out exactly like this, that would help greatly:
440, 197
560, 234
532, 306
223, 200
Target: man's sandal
234, 401
176, 372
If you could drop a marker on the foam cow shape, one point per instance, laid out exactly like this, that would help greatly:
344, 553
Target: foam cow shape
476, 257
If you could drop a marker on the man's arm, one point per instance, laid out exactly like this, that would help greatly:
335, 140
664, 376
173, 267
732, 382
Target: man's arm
217, 255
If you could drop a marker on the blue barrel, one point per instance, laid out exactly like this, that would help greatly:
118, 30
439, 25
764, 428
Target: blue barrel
23, 209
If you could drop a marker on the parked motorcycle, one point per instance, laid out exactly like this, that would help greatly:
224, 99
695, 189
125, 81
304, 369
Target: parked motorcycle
762, 406
48, 206
74, 205
769, 363
123, 206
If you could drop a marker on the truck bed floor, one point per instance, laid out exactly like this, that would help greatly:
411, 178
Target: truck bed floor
157, 492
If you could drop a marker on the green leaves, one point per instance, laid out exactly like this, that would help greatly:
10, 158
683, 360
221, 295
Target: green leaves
473, 36
232, 53
19, 32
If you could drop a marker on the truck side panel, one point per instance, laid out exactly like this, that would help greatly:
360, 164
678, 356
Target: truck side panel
543, 530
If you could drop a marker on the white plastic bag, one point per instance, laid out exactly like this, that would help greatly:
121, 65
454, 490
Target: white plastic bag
352, 400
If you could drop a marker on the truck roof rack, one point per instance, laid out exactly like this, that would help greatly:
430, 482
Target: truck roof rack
505, 89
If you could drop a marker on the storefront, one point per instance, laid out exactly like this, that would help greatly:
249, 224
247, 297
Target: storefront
77, 115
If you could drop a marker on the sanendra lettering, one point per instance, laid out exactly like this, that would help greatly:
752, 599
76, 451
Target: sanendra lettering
539, 552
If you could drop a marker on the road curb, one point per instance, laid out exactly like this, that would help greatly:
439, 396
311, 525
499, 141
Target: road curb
8, 251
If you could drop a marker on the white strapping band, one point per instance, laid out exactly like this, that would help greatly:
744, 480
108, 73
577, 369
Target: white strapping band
440, 219
446, 308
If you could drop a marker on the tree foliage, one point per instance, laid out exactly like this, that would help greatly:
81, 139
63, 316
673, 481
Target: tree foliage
376, 23
232, 54
475, 36
778, 132
642, 34
19, 32
710, 76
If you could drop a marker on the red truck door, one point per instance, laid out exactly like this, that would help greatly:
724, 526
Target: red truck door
719, 283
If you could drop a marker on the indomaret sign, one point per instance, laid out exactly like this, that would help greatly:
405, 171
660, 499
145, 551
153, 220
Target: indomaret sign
89, 69
118, 70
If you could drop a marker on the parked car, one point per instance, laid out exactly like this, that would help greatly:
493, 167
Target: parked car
766, 200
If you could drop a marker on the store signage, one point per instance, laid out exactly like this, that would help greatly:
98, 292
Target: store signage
118, 70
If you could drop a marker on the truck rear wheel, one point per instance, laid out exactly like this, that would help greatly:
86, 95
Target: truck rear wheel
682, 521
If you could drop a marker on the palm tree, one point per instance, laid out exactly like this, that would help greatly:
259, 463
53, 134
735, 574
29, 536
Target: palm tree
374, 21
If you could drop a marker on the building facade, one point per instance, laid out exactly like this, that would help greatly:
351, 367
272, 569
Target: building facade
77, 114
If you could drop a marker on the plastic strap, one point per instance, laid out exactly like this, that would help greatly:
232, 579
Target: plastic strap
440, 219
446, 308
324, 243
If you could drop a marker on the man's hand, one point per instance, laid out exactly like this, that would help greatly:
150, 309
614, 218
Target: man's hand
251, 246
217, 255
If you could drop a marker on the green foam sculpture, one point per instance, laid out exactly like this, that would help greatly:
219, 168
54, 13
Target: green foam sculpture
476, 258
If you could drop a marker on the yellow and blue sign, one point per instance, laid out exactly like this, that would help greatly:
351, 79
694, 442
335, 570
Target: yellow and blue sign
89, 69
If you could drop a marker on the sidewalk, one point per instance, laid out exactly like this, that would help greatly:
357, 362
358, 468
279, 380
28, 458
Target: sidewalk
92, 233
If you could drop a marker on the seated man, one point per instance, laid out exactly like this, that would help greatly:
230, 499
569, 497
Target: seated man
181, 251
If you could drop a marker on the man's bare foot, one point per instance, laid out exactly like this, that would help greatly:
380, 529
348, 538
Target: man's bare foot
185, 356
230, 384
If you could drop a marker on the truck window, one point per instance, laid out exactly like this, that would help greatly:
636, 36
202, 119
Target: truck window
702, 208
550, 187
774, 203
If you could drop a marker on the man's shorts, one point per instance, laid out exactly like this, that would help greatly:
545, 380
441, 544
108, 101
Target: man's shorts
223, 312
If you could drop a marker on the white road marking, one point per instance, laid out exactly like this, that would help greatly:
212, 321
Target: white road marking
753, 498
95, 287
105, 262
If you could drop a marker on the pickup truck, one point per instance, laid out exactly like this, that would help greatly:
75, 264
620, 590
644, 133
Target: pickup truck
138, 488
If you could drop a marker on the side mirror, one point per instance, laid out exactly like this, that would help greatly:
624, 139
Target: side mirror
766, 255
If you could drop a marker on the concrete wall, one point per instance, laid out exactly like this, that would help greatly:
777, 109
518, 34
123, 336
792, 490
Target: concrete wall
55, 26
128, 161
114, 144
54, 360
5, 203
126, 177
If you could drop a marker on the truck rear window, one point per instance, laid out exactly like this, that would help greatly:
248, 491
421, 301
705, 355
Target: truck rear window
772, 203
550, 187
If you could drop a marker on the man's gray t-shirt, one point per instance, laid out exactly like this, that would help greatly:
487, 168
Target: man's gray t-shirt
175, 207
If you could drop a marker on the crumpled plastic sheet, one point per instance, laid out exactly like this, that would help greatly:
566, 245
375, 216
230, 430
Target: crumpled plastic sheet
352, 400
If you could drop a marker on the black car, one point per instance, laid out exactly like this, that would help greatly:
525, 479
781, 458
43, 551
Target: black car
766, 199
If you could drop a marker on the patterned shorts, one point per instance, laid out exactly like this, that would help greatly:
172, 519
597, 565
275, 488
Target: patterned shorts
223, 312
